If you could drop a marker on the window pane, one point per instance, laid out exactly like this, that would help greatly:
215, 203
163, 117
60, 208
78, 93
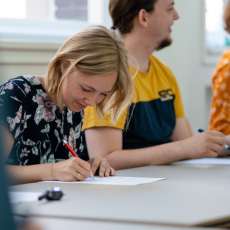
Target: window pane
18, 11
216, 36
71, 9
83, 10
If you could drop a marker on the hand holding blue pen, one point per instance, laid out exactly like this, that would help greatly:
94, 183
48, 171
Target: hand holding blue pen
225, 146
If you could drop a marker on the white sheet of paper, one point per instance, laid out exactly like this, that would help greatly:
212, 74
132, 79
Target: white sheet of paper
17, 197
205, 161
114, 180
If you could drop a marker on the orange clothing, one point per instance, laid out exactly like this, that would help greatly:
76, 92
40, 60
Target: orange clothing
220, 109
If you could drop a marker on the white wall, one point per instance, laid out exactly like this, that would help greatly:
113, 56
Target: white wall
20, 58
185, 58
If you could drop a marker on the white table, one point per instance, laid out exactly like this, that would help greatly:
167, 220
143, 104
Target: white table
191, 196
47, 223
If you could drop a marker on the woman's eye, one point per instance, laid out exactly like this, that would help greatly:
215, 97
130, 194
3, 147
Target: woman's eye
86, 90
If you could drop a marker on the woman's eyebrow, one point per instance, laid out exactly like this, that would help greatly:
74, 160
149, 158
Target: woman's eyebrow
95, 89
88, 86
107, 91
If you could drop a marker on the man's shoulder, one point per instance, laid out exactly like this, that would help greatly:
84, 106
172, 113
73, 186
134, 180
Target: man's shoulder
161, 66
156, 62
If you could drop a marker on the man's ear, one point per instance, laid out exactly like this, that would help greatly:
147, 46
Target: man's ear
64, 66
143, 18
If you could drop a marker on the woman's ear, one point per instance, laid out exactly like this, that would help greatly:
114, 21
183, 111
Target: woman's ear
143, 18
64, 66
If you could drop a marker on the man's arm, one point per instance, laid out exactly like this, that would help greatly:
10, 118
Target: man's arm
107, 142
182, 129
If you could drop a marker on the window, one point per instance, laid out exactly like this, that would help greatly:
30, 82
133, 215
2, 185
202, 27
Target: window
216, 36
49, 21
216, 39
83, 10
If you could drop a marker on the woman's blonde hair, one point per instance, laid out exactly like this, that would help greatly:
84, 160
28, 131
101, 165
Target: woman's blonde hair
94, 51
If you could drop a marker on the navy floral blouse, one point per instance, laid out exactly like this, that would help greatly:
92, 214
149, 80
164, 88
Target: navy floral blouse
37, 124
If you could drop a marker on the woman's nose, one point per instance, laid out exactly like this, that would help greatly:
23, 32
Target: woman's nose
91, 100
94, 99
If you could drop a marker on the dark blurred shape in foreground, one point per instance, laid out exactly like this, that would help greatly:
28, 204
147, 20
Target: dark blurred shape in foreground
6, 218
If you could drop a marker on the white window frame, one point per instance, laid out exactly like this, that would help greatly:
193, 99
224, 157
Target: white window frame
42, 34
210, 55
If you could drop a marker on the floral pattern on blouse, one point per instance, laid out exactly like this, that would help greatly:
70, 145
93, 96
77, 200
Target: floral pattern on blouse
220, 108
37, 124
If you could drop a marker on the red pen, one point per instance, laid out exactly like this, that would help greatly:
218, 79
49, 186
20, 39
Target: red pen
73, 153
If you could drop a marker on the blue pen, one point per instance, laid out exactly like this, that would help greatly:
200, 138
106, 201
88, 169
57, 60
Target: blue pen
225, 146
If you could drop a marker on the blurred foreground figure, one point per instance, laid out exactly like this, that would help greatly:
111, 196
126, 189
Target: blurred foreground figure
6, 218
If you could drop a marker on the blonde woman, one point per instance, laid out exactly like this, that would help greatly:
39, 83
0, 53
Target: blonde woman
39, 112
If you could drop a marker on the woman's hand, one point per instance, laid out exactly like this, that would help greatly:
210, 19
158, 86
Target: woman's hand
102, 165
73, 169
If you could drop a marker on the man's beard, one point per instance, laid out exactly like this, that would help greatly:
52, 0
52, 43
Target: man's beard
166, 42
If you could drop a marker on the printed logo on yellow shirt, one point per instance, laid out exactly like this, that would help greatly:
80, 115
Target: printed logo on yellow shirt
166, 95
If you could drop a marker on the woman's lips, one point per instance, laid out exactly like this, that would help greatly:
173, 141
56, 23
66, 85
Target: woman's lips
80, 105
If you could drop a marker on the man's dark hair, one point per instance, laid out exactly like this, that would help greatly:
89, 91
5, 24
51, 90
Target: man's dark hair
123, 12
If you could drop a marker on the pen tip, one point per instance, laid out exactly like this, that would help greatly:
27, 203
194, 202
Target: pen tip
92, 177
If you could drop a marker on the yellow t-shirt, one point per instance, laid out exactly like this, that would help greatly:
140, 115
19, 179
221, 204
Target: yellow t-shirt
151, 118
